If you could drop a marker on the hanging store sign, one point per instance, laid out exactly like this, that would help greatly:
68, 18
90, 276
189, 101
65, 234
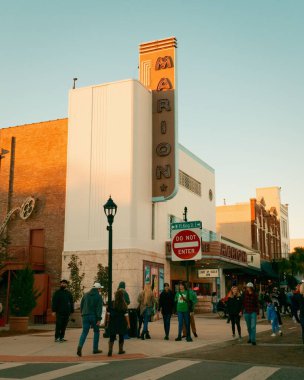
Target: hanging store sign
157, 72
207, 273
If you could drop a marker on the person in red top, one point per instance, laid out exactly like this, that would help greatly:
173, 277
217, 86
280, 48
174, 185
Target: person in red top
250, 311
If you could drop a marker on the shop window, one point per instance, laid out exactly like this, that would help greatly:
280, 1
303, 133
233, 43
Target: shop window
154, 276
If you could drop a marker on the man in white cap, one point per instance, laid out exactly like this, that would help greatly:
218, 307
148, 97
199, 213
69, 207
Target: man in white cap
91, 310
250, 311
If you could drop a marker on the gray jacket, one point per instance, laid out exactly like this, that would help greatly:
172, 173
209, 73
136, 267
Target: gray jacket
91, 304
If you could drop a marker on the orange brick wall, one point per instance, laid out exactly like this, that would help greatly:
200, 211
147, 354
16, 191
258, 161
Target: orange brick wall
40, 171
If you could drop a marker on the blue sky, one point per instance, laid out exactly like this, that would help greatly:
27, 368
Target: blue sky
240, 77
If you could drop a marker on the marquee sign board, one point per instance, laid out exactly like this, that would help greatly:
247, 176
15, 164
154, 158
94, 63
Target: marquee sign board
186, 241
157, 71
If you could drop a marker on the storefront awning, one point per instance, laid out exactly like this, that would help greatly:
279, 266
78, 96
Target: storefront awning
244, 270
267, 270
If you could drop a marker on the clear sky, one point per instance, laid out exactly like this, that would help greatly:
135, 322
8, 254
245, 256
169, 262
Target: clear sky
240, 77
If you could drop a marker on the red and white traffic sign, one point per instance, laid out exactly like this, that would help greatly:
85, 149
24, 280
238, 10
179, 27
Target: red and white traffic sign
186, 245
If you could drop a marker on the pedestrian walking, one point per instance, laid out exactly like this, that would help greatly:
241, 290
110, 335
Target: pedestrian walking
250, 309
214, 302
275, 299
301, 307
193, 297
122, 286
166, 307
234, 307
91, 311
146, 301
184, 305
118, 321
273, 318
262, 302
295, 304
62, 308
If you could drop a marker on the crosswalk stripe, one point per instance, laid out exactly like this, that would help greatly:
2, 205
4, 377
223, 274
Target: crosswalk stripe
64, 371
163, 370
10, 365
256, 373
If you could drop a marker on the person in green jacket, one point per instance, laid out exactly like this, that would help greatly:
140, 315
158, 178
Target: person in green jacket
184, 305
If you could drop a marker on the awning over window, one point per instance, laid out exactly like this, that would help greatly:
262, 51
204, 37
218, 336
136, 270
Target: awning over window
267, 270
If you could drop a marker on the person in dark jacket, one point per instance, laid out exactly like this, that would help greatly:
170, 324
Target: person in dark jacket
122, 285
91, 311
118, 321
166, 306
234, 307
62, 307
300, 300
250, 309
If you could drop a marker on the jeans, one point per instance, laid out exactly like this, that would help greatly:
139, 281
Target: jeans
61, 324
275, 325
251, 319
87, 322
146, 315
167, 318
183, 316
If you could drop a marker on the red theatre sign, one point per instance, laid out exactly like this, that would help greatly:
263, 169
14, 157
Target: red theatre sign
186, 241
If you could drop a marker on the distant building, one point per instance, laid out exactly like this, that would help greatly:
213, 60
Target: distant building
272, 197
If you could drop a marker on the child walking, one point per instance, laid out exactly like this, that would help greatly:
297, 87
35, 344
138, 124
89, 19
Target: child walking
273, 318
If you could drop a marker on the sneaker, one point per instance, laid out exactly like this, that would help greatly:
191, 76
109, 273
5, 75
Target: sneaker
62, 340
178, 339
253, 343
97, 351
189, 339
273, 334
79, 353
57, 340
280, 333
166, 338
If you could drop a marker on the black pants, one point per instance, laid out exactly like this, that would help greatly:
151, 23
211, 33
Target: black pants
113, 337
235, 320
61, 324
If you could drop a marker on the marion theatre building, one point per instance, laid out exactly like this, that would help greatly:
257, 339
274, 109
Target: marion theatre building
119, 139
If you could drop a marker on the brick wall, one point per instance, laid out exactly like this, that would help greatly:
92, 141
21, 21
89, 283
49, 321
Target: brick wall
40, 172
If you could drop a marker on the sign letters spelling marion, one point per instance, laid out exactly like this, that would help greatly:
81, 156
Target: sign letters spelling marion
157, 73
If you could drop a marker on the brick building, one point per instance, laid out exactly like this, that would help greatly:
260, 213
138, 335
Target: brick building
33, 164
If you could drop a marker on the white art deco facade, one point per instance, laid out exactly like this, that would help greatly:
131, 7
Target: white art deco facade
110, 153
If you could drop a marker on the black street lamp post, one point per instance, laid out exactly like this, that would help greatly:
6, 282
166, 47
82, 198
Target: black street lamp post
110, 209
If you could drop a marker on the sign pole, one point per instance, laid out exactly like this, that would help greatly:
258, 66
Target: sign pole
187, 262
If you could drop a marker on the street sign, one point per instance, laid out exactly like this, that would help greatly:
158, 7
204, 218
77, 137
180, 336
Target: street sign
207, 273
186, 241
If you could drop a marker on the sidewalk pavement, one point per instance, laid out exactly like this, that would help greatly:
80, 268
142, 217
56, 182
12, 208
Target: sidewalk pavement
40, 347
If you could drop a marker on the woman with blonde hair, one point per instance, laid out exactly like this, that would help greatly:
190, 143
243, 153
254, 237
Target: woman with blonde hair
146, 301
234, 307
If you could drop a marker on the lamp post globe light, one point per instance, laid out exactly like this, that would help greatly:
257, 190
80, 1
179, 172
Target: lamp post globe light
110, 209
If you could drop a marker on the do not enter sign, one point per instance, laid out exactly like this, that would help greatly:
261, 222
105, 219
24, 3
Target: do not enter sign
186, 245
